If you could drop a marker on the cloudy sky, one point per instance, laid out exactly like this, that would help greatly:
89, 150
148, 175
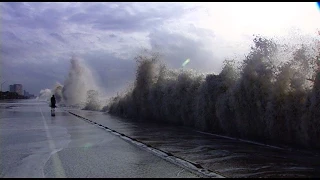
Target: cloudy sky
38, 39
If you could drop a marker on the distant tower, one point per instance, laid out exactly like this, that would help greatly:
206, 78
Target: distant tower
11, 88
18, 89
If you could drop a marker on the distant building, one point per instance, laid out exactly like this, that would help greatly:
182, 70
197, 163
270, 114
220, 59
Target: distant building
16, 88
26, 93
11, 89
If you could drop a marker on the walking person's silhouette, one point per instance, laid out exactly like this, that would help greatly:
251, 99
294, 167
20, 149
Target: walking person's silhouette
53, 105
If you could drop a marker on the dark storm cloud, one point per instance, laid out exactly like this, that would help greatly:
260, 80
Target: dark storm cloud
58, 37
127, 16
28, 15
39, 38
10, 37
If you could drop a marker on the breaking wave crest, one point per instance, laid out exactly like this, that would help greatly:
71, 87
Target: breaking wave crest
272, 96
78, 90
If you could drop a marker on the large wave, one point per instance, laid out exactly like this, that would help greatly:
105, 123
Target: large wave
79, 88
272, 96
44, 95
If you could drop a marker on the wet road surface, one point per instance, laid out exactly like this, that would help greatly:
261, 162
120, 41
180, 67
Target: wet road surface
33, 145
225, 156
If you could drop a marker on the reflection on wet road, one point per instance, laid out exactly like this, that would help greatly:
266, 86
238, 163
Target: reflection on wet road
35, 145
229, 157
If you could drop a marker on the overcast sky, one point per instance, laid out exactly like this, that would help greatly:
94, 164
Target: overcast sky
38, 39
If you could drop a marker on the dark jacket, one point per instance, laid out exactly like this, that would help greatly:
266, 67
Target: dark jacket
53, 102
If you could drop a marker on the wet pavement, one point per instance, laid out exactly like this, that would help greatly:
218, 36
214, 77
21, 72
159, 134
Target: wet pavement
223, 155
35, 145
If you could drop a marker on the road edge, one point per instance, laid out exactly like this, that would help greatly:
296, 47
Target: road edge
193, 167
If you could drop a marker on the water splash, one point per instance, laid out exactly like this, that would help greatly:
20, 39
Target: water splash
79, 88
266, 98
44, 95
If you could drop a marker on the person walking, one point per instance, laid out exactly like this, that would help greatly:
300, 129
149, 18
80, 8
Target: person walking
53, 105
